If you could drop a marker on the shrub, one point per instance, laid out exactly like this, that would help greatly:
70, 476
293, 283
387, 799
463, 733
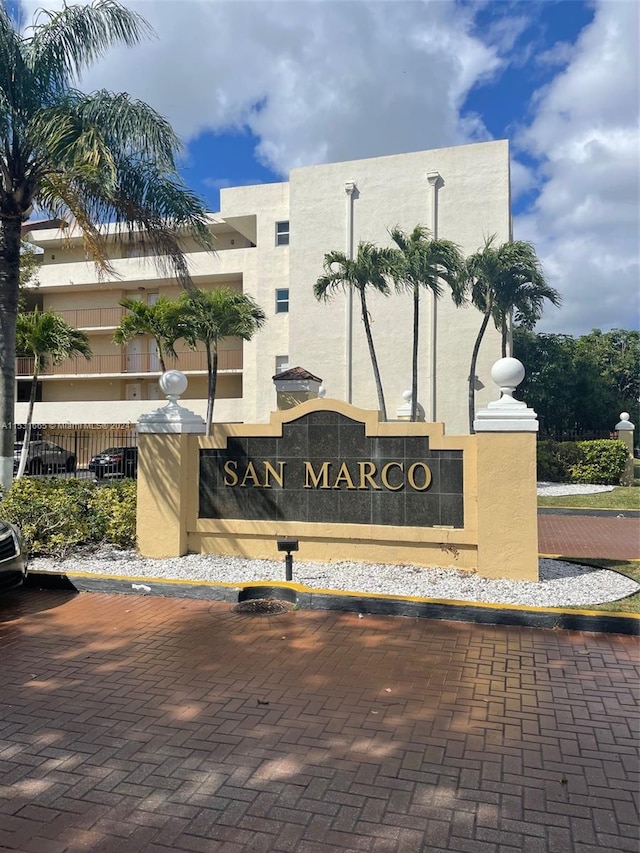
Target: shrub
58, 515
114, 511
601, 461
556, 459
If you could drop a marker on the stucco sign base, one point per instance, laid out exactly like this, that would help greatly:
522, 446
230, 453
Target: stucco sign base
474, 497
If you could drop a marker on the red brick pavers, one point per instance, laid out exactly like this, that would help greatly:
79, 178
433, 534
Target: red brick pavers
607, 537
149, 725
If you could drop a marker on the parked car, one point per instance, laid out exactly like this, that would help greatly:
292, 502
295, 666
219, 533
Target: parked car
115, 462
13, 559
44, 457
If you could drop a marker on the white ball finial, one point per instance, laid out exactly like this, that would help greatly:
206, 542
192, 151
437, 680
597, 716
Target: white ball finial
508, 373
322, 392
624, 416
406, 396
173, 383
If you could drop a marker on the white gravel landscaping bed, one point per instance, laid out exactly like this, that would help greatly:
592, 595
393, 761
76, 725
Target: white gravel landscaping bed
560, 584
555, 489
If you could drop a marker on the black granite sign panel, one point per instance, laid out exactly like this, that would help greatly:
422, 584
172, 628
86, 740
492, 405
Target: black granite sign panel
325, 468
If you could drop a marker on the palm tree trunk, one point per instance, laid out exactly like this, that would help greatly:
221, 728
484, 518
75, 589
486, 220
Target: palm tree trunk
27, 427
9, 278
212, 381
505, 337
372, 353
414, 356
472, 369
160, 352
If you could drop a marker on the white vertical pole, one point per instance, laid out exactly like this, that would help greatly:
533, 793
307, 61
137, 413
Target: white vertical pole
433, 178
349, 189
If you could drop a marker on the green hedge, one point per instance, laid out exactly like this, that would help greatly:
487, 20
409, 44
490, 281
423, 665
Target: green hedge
56, 515
601, 461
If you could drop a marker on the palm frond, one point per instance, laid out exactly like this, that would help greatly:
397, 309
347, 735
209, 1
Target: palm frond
46, 337
62, 44
424, 262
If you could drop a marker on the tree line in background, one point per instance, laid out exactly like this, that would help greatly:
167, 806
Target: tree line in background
580, 385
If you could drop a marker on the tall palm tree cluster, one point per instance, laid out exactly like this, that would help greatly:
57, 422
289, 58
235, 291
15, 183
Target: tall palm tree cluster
86, 159
502, 281
198, 317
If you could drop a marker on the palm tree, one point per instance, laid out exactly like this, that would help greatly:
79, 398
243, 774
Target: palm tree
157, 320
85, 159
499, 280
371, 269
527, 306
208, 316
423, 262
47, 339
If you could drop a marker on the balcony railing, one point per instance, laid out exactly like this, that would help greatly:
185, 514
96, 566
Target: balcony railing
92, 318
130, 364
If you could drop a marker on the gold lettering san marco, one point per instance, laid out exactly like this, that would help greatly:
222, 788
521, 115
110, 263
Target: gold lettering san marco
365, 475
354, 476
251, 477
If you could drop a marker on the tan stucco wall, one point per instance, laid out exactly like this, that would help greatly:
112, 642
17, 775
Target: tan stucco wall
498, 538
163, 494
507, 505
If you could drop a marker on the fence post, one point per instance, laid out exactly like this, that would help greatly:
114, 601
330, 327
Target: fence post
625, 429
507, 495
164, 472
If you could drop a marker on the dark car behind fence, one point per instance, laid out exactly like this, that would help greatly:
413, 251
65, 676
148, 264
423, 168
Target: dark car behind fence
100, 453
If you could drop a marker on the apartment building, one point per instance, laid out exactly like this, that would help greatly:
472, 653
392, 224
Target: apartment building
270, 243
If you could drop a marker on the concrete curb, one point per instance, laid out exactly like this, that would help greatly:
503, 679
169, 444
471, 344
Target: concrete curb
602, 622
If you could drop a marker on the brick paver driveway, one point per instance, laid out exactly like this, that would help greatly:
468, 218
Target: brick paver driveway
570, 534
143, 725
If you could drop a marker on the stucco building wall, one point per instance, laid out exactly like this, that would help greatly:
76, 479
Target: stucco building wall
460, 193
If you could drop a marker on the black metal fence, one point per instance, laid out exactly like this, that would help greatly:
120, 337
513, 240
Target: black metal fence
68, 451
574, 435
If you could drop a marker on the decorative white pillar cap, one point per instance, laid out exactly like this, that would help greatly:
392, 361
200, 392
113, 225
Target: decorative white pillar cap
625, 423
506, 414
403, 412
171, 418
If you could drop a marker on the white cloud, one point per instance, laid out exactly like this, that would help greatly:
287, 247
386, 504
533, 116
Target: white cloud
585, 222
523, 179
559, 54
333, 80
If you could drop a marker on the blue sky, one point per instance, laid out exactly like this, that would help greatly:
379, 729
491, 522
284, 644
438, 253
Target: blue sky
256, 87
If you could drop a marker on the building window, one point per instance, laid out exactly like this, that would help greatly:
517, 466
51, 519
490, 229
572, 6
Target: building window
282, 301
282, 233
282, 363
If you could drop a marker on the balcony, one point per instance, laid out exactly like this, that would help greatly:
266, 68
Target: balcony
93, 318
130, 364
129, 271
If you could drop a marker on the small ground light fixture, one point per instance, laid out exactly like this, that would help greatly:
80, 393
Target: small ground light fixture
288, 545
